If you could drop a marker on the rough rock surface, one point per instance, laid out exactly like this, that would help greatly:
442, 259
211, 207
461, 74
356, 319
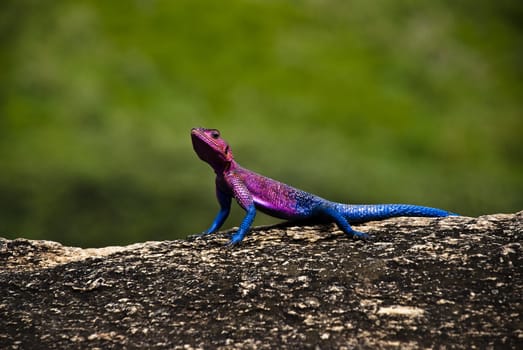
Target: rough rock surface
421, 283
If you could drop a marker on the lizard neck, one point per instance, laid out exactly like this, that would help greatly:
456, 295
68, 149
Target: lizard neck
223, 168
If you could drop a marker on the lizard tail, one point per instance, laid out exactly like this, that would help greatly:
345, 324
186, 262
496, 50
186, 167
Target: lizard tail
355, 213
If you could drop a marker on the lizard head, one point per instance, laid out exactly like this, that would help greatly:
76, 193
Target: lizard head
211, 148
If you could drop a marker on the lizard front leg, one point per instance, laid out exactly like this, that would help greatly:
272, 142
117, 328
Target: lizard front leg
245, 200
225, 207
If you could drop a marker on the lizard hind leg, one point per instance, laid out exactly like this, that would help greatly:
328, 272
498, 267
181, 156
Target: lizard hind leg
343, 224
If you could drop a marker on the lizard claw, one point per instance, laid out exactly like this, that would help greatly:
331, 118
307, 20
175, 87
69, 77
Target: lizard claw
361, 235
203, 235
230, 245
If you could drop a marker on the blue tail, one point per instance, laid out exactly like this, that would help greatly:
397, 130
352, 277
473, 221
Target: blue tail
359, 213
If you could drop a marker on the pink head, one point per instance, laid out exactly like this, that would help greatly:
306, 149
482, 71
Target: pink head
211, 148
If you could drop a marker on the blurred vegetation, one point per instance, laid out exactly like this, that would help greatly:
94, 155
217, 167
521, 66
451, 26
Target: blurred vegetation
357, 101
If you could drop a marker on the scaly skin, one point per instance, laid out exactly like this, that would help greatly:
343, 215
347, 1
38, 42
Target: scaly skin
255, 192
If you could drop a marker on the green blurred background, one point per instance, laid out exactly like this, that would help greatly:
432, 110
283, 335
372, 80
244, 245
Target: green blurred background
357, 101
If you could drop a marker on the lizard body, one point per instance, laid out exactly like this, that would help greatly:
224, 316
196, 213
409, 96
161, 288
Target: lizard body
255, 192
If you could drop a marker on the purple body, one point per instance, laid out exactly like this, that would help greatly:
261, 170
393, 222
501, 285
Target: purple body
273, 197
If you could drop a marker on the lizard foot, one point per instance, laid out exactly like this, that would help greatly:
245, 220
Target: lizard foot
235, 240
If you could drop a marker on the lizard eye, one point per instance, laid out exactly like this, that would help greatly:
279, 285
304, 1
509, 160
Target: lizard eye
215, 134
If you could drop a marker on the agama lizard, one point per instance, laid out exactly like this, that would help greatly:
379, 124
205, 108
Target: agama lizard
255, 192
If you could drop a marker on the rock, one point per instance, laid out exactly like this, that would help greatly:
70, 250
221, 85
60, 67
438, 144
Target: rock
421, 283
